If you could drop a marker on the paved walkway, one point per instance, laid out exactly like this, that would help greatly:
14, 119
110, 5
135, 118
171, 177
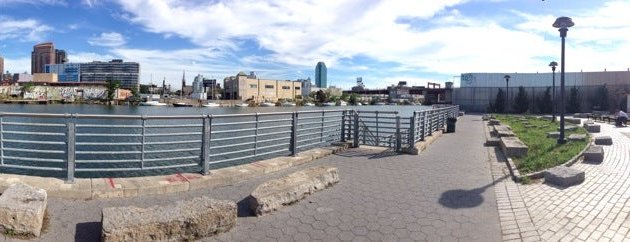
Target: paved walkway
596, 210
445, 193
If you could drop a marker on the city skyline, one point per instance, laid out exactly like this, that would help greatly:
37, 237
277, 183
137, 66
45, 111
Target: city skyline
383, 41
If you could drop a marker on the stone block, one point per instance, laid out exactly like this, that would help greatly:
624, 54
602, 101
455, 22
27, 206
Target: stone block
505, 133
486, 117
547, 117
573, 120
603, 140
529, 126
22, 209
594, 154
593, 128
577, 137
513, 147
185, 220
494, 122
274, 194
553, 135
568, 128
493, 141
564, 176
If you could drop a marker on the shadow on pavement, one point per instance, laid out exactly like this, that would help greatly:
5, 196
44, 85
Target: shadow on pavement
88, 231
370, 154
460, 198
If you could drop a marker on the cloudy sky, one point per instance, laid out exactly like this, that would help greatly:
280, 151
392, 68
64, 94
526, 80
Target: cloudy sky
383, 41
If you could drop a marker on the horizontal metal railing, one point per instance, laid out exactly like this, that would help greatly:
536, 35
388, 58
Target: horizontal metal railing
93, 145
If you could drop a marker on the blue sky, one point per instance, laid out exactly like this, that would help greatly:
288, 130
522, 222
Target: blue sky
382, 41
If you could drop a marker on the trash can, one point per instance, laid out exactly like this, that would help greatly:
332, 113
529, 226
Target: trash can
450, 125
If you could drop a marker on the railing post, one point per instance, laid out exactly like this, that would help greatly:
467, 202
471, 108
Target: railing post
70, 148
205, 145
144, 120
423, 126
398, 136
1, 140
412, 130
321, 135
378, 137
343, 126
294, 125
256, 135
355, 144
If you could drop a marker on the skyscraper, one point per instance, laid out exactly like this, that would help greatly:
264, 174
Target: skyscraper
60, 57
115, 70
42, 54
321, 79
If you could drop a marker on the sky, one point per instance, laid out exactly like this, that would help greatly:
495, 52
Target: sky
383, 41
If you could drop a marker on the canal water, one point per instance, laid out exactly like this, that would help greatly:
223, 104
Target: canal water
105, 144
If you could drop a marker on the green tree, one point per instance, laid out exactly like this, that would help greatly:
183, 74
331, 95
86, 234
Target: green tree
344, 96
321, 96
601, 98
545, 103
521, 102
28, 87
574, 102
144, 88
499, 102
112, 86
353, 99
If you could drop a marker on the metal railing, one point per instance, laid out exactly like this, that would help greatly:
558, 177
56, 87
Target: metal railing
90, 145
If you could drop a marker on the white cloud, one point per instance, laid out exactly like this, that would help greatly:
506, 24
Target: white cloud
22, 29
90, 3
17, 65
33, 2
111, 39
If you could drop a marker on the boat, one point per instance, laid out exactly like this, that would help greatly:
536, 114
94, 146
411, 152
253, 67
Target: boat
211, 105
267, 104
342, 103
309, 104
288, 104
379, 103
242, 105
182, 105
152, 103
328, 104
358, 104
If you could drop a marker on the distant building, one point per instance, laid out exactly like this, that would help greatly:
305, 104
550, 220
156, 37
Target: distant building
127, 73
68, 72
45, 77
321, 76
23, 77
60, 57
42, 54
197, 89
307, 85
241, 87
212, 88
360, 86
1, 67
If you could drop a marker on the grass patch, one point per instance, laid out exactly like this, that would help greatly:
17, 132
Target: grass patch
543, 152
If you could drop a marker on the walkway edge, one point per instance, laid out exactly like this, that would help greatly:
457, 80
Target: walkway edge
100, 188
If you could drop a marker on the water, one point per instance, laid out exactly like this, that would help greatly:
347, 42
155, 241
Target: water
127, 157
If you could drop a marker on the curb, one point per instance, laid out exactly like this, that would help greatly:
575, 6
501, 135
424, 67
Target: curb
99, 188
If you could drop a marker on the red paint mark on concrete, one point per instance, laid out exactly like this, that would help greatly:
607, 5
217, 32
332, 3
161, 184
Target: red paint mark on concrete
111, 183
183, 177
257, 164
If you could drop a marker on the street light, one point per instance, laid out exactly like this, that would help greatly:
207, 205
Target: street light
507, 92
553, 65
563, 24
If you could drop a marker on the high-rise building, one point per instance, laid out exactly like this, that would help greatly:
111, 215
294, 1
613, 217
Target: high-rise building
60, 57
127, 73
68, 72
42, 54
321, 78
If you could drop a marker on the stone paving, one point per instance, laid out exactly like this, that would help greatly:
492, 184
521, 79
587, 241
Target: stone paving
596, 210
445, 193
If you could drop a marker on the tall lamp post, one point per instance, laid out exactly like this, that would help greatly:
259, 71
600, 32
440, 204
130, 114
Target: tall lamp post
507, 92
553, 65
563, 24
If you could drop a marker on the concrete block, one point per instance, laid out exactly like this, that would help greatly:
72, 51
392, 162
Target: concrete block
603, 140
593, 128
568, 128
594, 154
547, 117
274, 194
564, 176
184, 221
577, 137
486, 117
494, 122
573, 120
513, 147
493, 141
553, 135
22, 209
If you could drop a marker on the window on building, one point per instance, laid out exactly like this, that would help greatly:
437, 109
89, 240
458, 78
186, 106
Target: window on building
297, 88
286, 87
269, 86
253, 86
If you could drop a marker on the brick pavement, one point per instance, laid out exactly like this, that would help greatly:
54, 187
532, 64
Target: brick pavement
596, 210
445, 193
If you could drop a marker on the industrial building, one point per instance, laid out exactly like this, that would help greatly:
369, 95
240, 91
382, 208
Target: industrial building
127, 73
245, 88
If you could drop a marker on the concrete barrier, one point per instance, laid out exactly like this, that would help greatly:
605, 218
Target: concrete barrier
513, 147
186, 220
22, 209
274, 194
564, 176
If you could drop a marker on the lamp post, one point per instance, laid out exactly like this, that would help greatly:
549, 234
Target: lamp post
507, 92
563, 24
553, 65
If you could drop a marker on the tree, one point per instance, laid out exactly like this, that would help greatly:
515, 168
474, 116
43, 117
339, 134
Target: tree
353, 99
28, 87
321, 96
344, 97
499, 102
600, 101
521, 102
144, 88
112, 86
574, 103
545, 103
